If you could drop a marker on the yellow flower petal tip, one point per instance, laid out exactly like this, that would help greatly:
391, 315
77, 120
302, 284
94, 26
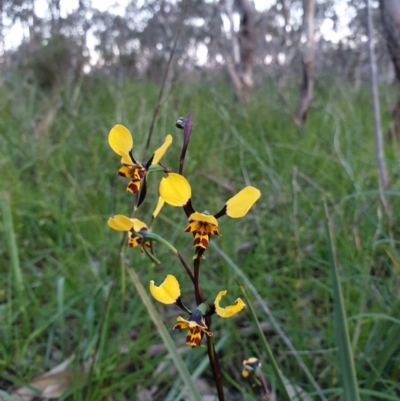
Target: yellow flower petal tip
120, 223
240, 204
229, 310
168, 292
159, 153
120, 140
175, 189
159, 206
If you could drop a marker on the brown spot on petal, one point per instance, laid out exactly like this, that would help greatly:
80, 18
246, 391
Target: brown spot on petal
215, 231
204, 242
133, 187
194, 337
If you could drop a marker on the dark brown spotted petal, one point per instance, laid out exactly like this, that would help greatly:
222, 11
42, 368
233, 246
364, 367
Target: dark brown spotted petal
180, 326
201, 240
193, 338
133, 186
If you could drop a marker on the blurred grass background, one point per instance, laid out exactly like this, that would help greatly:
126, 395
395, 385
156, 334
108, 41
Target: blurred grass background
58, 257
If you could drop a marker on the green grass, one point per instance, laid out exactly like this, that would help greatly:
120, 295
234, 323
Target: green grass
59, 260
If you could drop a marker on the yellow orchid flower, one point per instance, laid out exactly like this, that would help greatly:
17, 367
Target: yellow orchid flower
169, 293
197, 327
176, 191
123, 223
121, 142
250, 365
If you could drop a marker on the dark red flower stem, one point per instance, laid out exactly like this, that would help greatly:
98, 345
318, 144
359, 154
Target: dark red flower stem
214, 362
197, 290
212, 355
264, 386
187, 268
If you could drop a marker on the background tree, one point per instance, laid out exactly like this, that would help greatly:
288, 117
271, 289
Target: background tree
240, 64
390, 12
307, 85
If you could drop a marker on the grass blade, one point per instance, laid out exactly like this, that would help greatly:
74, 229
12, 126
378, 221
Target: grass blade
165, 336
12, 244
387, 354
346, 360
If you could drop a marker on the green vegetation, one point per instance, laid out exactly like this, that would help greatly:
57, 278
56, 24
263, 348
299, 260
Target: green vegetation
59, 260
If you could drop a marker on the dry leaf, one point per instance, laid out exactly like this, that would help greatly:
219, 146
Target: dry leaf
52, 384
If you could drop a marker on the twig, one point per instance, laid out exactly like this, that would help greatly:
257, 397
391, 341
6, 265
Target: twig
163, 83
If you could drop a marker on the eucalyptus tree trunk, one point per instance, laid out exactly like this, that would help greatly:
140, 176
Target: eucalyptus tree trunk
379, 149
307, 86
390, 12
241, 69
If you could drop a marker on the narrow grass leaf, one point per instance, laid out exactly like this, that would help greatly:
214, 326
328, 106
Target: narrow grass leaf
165, 336
379, 395
346, 360
387, 354
11, 242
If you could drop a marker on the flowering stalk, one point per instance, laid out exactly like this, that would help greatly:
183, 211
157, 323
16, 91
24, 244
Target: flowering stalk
252, 367
176, 191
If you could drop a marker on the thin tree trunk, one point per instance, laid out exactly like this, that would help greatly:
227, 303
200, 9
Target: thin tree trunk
379, 149
247, 43
390, 12
306, 90
242, 75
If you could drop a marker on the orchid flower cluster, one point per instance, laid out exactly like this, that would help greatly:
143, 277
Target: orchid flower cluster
175, 190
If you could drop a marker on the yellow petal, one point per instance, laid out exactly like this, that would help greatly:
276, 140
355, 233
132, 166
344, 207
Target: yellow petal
138, 225
240, 204
205, 218
126, 159
175, 190
120, 223
183, 323
159, 153
229, 310
120, 140
159, 206
168, 292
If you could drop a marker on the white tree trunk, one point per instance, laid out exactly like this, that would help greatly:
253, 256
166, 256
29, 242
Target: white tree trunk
241, 73
307, 87
379, 149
